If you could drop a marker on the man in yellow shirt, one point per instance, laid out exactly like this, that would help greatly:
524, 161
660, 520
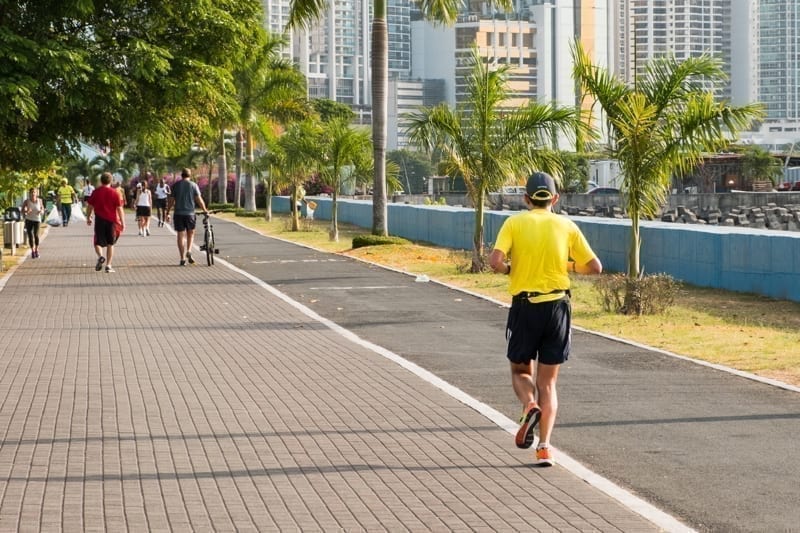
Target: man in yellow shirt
66, 197
543, 248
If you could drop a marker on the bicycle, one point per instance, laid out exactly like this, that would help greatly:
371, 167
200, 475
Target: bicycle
209, 244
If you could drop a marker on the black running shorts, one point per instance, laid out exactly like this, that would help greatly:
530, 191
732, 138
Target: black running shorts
184, 222
105, 232
539, 331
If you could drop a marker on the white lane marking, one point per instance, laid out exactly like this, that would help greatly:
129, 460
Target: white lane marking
354, 288
632, 502
282, 261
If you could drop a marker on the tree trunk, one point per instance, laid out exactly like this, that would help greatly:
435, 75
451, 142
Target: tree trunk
380, 74
250, 190
237, 194
633, 297
268, 187
295, 211
334, 234
477, 237
210, 181
222, 183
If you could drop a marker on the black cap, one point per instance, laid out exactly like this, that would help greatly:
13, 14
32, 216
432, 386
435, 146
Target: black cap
541, 186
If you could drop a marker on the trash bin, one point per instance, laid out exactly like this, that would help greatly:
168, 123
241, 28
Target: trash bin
12, 214
13, 235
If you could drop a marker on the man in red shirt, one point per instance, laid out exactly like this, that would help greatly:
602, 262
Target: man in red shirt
110, 223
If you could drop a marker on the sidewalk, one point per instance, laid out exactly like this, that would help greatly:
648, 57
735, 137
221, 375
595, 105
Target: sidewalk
161, 397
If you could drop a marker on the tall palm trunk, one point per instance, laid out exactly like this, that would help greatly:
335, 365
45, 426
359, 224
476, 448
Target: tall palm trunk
222, 182
210, 181
250, 189
334, 234
477, 236
380, 74
237, 195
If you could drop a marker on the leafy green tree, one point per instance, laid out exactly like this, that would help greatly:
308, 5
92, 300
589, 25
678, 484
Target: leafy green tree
488, 143
113, 163
759, 165
659, 126
80, 167
343, 147
152, 71
300, 146
269, 88
414, 168
329, 109
445, 11
575, 175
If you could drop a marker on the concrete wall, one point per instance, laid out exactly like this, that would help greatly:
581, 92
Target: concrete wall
765, 262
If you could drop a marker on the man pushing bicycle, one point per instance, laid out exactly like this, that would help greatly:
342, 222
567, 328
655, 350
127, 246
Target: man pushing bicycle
185, 198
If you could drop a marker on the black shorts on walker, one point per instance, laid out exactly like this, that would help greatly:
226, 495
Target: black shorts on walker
184, 222
540, 331
143, 210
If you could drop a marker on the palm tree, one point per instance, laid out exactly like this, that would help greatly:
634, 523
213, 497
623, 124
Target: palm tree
488, 143
759, 165
300, 145
269, 89
343, 147
304, 11
116, 165
658, 127
80, 167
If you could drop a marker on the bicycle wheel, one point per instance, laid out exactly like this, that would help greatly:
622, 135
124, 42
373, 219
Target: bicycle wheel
209, 246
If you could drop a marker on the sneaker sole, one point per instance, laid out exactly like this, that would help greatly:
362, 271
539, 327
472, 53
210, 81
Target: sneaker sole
545, 462
99, 266
524, 438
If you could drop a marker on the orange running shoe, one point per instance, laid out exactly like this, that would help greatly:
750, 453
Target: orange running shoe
528, 421
544, 457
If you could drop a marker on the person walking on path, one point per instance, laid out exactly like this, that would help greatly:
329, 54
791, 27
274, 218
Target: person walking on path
144, 208
162, 193
107, 203
66, 197
185, 198
87, 191
32, 210
543, 247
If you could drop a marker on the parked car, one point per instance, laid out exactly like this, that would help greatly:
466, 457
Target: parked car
796, 186
604, 190
785, 186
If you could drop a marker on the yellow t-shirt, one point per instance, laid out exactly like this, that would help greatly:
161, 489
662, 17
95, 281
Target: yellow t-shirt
65, 193
539, 243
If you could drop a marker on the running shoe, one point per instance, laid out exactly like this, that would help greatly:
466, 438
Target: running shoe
99, 266
147, 232
528, 421
109, 269
544, 457
183, 263
190, 258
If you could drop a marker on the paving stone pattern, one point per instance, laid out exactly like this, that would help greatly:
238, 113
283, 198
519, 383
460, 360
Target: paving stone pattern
162, 397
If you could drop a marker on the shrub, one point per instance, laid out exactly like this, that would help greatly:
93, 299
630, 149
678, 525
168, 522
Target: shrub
648, 295
359, 241
250, 214
222, 208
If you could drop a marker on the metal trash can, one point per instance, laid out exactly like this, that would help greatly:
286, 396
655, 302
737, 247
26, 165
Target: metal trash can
12, 214
13, 235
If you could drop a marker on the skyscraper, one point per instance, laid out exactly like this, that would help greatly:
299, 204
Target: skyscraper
684, 28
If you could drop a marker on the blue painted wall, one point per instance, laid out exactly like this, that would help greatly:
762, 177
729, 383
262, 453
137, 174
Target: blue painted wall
764, 262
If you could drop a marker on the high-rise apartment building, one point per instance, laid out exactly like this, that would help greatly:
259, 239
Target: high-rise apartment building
684, 28
778, 53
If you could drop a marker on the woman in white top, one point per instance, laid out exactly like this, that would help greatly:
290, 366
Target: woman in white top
32, 210
144, 207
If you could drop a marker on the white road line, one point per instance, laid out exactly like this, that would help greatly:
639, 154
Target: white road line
358, 288
282, 261
637, 505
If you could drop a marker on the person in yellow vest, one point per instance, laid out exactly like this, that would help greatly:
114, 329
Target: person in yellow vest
66, 197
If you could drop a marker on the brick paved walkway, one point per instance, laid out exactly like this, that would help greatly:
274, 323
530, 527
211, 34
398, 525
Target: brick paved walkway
169, 398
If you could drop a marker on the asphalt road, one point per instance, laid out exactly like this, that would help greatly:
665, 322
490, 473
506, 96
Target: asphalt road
718, 451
